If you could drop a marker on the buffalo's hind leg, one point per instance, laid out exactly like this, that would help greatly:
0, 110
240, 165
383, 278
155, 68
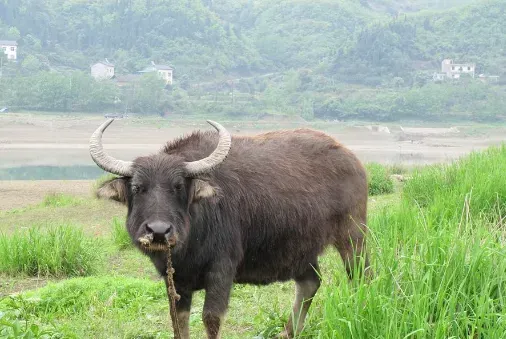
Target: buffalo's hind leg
306, 286
350, 244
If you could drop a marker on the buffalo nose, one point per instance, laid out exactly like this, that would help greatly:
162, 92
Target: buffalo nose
159, 230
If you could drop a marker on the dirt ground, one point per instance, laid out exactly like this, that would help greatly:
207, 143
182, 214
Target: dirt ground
21, 193
34, 140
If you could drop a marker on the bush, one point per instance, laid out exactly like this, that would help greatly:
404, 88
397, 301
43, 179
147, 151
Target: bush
120, 236
57, 251
379, 179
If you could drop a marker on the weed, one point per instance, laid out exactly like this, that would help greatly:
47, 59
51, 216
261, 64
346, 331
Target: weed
61, 250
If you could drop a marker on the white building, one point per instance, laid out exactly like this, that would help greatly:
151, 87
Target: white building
102, 70
10, 48
453, 70
163, 71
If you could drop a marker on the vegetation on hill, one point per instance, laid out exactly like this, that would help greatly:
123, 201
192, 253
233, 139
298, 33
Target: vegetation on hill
414, 46
314, 59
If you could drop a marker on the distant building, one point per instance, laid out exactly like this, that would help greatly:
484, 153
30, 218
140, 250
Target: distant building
127, 79
10, 48
163, 71
102, 70
488, 78
453, 70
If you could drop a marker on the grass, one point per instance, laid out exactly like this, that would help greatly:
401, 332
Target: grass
439, 260
437, 252
379, 179
60, 200
432, 280
15, 323
61, 250
474, 183
120, 236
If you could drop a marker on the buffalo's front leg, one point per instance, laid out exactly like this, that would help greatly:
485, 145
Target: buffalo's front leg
218, 285
183, 306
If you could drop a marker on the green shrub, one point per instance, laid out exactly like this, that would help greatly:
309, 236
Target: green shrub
120, 236
58, 251
378, 179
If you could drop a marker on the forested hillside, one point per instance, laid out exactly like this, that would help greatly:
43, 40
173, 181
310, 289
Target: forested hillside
76, 33
319, 58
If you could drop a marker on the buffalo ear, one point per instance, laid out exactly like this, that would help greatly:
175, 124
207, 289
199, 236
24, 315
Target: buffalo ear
114, 189
202, 189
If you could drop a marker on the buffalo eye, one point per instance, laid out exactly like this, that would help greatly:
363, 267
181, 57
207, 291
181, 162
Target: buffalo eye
178, 186
136, 188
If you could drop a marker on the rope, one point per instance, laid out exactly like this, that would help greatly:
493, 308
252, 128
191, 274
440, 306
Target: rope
146, 242
173, 296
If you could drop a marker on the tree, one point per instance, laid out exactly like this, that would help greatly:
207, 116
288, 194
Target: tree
13, 34
31, 64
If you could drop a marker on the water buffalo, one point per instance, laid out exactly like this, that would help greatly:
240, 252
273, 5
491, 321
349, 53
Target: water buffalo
242, 209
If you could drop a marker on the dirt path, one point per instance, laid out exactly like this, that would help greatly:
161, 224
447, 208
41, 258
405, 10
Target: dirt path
20, 193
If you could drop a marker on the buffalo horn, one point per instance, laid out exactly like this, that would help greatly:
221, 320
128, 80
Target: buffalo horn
207, 164
102, 159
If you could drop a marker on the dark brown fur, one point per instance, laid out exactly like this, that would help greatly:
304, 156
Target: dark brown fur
264, 215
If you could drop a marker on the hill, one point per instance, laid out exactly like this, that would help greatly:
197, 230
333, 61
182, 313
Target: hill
327, 59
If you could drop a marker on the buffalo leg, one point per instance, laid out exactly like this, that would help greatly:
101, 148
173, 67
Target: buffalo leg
351, 247
217, 289
306, 286
183, 306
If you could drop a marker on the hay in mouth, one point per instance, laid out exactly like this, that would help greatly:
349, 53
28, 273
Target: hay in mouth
148, 244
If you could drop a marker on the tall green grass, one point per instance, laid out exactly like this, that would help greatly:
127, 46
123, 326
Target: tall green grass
439, 260
475, 184
58, 251
120, 236
379, 180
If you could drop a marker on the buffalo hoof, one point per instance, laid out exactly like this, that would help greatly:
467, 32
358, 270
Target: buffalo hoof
285, 335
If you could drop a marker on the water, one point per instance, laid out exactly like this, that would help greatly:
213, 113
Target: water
76, 172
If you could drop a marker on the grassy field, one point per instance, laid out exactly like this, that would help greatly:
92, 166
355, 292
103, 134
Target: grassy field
67, 269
